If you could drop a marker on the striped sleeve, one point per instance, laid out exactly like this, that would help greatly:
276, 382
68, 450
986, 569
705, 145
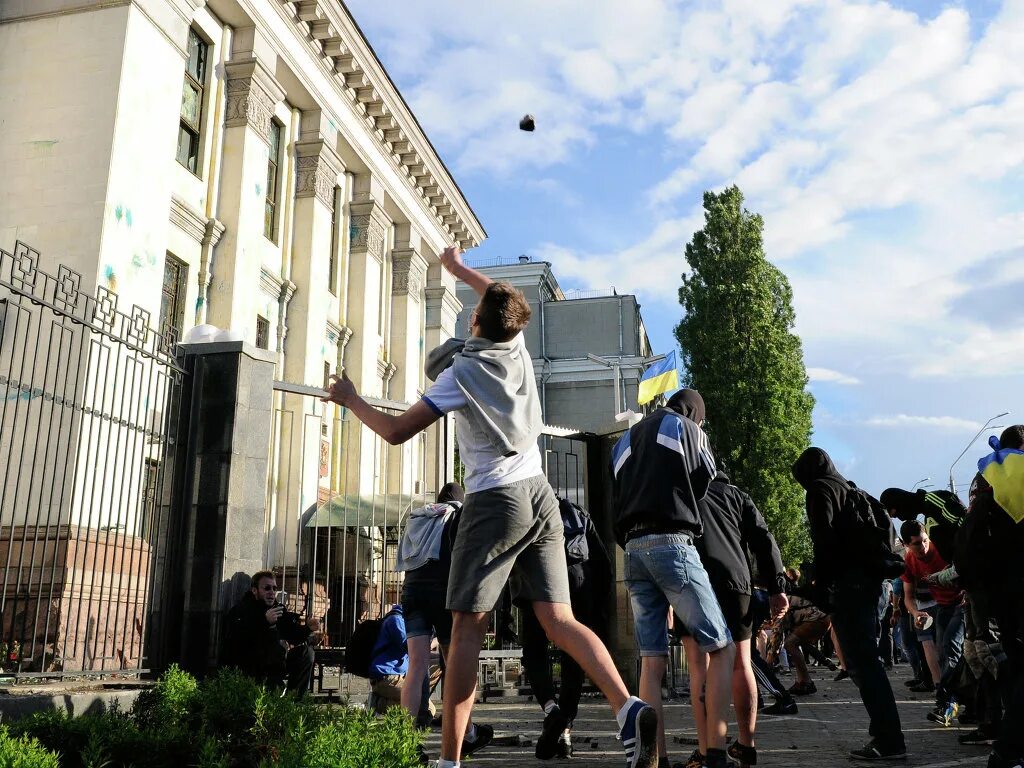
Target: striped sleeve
682, 436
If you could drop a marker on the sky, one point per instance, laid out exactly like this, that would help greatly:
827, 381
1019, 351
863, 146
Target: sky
882, 142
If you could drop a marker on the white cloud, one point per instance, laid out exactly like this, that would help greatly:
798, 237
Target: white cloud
947, 423
832, 377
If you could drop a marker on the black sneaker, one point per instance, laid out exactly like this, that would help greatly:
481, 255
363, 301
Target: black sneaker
696, 760
781, 707
564, 745
923, 687
555, 724
803, 689
484, 734
422, 756
978, 737
875, 751
744, 755
912, 682
843, 674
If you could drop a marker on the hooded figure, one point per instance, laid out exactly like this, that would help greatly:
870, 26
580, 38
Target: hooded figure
942, 511
826, 495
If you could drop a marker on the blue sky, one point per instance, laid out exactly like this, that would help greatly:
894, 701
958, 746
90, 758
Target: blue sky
882, 142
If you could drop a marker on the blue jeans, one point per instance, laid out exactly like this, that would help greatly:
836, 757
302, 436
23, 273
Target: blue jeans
665, 571
854, 619
949, 641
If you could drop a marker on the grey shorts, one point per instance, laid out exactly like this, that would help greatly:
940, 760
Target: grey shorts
514, 530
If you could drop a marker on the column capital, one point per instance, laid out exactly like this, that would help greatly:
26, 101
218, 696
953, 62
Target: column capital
409, 272
367, 228
317, 167
252, 95
442, 306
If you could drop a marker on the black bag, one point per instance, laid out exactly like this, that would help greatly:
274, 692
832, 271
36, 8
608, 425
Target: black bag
872, 536
359, 651
574, 520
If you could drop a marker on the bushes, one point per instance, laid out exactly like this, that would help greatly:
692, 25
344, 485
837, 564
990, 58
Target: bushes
227, 721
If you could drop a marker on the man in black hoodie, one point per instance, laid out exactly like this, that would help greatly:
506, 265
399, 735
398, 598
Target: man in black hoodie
943, 514
854, 596
734, 527
661, 468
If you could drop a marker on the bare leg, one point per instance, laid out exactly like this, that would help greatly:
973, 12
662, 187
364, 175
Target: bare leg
419, 659
796, 659
744, 693
584, 647
697, 661
931, 655
838, 647
718, 695
468, 631
652, 672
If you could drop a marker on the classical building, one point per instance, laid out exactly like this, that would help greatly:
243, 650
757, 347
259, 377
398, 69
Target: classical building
588, 347
247, 164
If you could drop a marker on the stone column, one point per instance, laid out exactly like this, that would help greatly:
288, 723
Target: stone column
252, 94
442, 309
220, 481
409, 275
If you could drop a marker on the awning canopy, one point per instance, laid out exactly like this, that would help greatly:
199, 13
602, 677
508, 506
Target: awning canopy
350, 511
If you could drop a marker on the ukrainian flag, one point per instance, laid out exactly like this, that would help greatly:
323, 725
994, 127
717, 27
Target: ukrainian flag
661, 377
1004, 471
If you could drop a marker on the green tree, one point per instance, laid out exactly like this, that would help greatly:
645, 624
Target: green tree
740, 352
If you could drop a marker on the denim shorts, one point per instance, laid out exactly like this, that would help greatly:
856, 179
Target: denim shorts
663, 571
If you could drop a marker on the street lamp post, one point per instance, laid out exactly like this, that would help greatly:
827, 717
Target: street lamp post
952, 484
920, 482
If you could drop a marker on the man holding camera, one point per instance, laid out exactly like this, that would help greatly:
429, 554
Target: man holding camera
266, 642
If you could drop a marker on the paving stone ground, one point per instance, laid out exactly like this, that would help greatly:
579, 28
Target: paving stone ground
829, 724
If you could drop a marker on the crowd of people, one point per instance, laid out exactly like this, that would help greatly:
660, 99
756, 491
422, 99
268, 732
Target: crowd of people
699, 563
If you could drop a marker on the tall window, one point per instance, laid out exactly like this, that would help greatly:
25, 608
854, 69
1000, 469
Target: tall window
192, 102
332, 263
270, 215
172, 298
262, 332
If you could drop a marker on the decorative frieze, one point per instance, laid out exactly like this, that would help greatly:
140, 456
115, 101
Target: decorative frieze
368, 229
252, 94
316, 171
408, 272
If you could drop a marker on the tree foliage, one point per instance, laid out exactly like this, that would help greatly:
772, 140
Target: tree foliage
740, 352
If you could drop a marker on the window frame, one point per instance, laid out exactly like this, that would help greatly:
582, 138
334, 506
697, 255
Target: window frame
273, 191
263, 329
197, 81
181, 289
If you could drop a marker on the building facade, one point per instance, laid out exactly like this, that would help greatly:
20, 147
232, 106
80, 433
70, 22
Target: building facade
568, 330
246, 164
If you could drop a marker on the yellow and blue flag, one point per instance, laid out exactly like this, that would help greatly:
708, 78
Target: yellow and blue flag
1004, 471
661, 377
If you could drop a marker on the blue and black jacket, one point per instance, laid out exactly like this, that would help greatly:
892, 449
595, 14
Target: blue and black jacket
661, 469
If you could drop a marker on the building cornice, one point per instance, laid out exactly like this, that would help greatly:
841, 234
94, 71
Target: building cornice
334, 37
188, 219
271, 283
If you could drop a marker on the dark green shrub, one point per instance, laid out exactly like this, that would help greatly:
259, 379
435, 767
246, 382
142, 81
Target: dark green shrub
227, 721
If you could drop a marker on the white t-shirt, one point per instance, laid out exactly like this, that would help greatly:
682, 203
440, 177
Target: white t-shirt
485, 467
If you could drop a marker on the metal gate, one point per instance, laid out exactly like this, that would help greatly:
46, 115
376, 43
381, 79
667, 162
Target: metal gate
86, 393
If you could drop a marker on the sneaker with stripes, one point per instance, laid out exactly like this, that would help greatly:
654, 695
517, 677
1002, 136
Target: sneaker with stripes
639, 736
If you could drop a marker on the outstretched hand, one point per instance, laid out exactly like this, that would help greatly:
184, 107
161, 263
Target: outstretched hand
451, 258
778, 605
342, 390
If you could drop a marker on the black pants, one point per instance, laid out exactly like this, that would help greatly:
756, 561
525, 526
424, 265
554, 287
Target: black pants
538, 670
1010, 742
299, 663
763, 672
885, 646
855, 619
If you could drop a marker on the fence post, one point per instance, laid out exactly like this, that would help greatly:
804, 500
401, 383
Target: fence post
218, 502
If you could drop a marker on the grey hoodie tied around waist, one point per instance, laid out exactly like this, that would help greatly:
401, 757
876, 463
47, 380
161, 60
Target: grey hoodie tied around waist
501, 392
424, 533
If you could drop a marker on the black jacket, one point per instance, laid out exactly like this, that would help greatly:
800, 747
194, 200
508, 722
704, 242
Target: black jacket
942, 510
661, 468
251, 644
733, 526
826, 496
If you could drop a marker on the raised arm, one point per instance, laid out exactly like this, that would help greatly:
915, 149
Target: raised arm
451, 259
395, 429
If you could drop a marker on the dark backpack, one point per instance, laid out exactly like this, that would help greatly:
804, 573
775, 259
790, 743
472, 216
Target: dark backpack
869, 529
359, 651
574, 520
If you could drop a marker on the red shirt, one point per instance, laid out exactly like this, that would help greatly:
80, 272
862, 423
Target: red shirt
918, 568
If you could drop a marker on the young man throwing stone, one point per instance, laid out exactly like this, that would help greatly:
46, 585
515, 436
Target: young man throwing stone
510, 523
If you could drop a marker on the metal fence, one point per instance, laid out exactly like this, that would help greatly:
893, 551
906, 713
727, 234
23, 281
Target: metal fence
86, 392
338, 497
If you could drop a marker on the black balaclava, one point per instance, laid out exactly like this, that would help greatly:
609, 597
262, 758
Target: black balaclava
900, 500
812, 465
688, 403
